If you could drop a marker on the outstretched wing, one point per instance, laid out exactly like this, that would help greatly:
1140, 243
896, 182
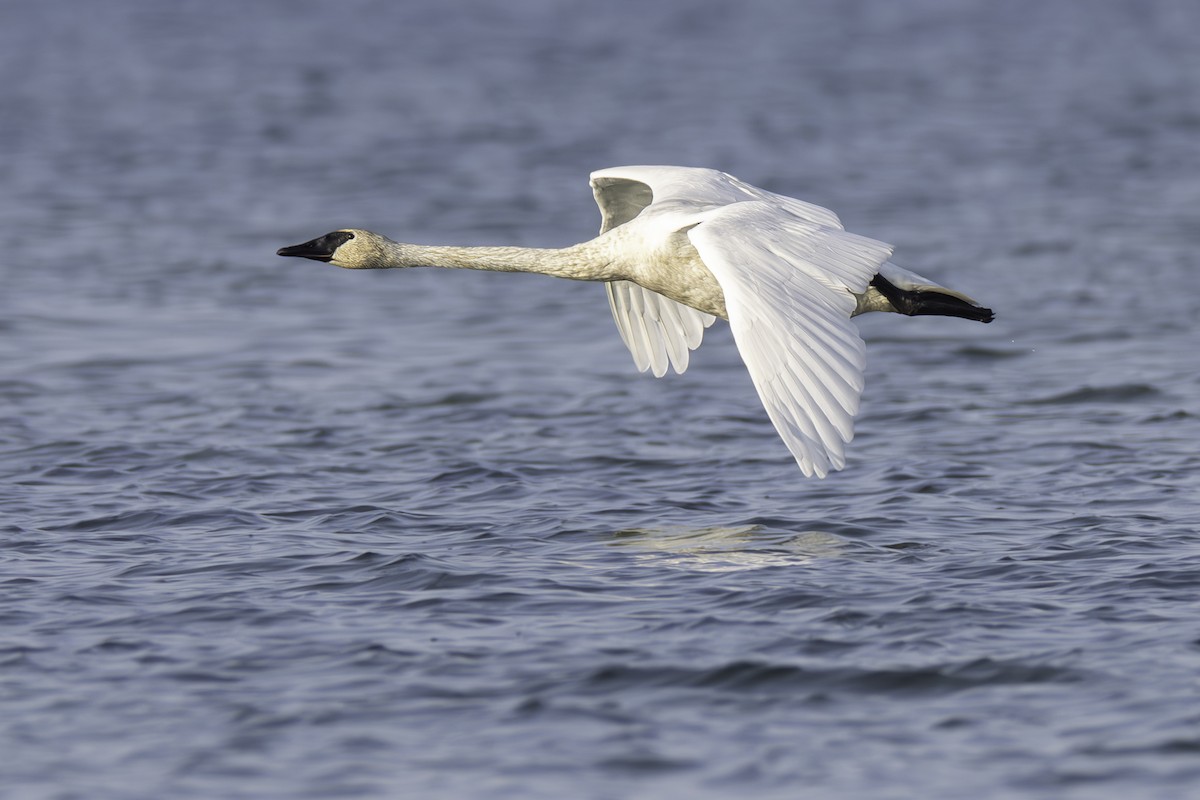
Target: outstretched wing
789, 285
656, 329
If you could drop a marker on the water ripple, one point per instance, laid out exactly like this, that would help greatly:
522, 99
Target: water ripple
273, 529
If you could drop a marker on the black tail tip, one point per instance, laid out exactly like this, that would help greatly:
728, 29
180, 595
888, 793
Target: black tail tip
944, 305
922, 302
981, 314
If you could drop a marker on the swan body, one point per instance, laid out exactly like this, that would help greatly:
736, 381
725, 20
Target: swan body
680, 247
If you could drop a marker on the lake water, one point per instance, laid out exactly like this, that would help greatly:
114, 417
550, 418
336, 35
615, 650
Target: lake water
269, 529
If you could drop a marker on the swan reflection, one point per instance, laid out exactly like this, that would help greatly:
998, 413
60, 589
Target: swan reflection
730, 548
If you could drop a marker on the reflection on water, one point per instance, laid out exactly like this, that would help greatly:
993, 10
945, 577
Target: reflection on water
727, 549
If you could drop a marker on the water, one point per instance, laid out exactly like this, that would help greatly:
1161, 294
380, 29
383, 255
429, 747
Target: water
272, 529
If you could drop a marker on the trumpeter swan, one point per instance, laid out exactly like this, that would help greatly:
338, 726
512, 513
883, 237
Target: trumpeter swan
680, 246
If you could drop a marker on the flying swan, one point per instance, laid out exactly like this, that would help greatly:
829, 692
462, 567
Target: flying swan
679, 247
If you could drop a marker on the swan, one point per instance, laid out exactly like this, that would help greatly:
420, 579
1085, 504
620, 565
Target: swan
680, 247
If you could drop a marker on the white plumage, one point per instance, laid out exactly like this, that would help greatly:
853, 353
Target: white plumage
679, 247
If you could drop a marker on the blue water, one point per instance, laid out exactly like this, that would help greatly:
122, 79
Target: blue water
269, 529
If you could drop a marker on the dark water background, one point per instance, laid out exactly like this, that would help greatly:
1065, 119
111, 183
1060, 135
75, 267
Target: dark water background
273, 529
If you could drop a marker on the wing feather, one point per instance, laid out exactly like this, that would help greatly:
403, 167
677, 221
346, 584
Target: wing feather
622, 193
646, 329
656, 329
789, 283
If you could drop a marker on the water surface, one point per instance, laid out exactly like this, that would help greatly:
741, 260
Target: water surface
272, 529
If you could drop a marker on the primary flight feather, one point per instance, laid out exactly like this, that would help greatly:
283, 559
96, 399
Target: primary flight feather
681, 246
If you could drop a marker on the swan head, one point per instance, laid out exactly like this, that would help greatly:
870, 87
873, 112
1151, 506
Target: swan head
349, 248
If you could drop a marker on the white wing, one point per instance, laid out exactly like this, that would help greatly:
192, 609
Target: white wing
656, 329
789, 286
622, 193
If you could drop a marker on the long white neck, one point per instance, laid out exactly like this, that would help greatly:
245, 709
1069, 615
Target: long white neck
581, 262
